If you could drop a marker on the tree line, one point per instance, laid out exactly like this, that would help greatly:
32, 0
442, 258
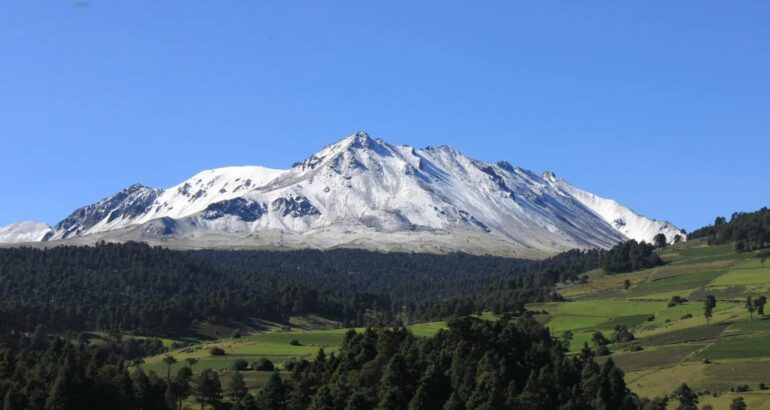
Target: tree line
474, 364
748, 230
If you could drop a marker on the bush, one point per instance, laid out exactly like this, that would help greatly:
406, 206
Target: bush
636, 348
741, 388
762, 386
622, 335
650, 318
217, 351
237, 334
264, 365
240, 365
687, 316
295, 342
676, 300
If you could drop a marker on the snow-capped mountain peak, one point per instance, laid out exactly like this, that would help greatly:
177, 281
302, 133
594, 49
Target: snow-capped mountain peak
365, 192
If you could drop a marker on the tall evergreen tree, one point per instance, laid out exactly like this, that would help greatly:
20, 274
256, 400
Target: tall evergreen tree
208, 388
708, 307
273, 394
688, 400
236, 387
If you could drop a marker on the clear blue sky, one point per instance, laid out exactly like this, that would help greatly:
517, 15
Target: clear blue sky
664, 106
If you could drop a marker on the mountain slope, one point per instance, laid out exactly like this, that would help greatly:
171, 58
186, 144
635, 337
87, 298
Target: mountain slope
361, 192
27, 231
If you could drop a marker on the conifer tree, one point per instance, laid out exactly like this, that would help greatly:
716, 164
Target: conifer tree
236, 387
273, 394
708, 307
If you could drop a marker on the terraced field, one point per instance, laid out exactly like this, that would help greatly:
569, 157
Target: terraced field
676, 344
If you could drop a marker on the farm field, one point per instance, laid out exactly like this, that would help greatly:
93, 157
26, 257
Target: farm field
273, 345
673, 344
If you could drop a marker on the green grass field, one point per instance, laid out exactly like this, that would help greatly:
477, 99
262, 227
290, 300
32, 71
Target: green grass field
272, 345
676, 340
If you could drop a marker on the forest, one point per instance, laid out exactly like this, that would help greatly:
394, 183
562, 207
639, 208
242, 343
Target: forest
474, 364
135, 287
63, 311
748, 230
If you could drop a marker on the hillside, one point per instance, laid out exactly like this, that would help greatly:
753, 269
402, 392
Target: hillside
730, 351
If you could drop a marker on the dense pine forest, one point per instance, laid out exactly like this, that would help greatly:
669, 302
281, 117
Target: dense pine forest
404, 277
135, 287
475, 364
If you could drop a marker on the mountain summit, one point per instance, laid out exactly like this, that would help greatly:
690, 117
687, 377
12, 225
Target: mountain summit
360, 192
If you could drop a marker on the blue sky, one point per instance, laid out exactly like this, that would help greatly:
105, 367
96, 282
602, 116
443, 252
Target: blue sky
664, 106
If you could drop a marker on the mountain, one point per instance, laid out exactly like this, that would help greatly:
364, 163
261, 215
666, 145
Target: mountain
27, 231
361, 192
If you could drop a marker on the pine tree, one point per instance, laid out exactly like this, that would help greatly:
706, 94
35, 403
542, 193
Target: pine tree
273, 394
181, 385
172, 400
236, 387
322, 400
142, 389
392, 389
357, 401
759, 305
209, 388
169, 361
688, 400
738, 404
708, 307
191, 361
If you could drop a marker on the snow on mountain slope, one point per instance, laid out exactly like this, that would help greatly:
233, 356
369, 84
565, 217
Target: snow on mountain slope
365, 192
621, 218
27, 231
138, 204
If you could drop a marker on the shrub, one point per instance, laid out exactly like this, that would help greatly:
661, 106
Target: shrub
237, 334
217, 351
687, 316
741, 388
295, 342
240, 365
264, 365
622, 335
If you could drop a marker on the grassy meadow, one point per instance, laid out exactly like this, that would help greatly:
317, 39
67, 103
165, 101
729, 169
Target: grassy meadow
674, 344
